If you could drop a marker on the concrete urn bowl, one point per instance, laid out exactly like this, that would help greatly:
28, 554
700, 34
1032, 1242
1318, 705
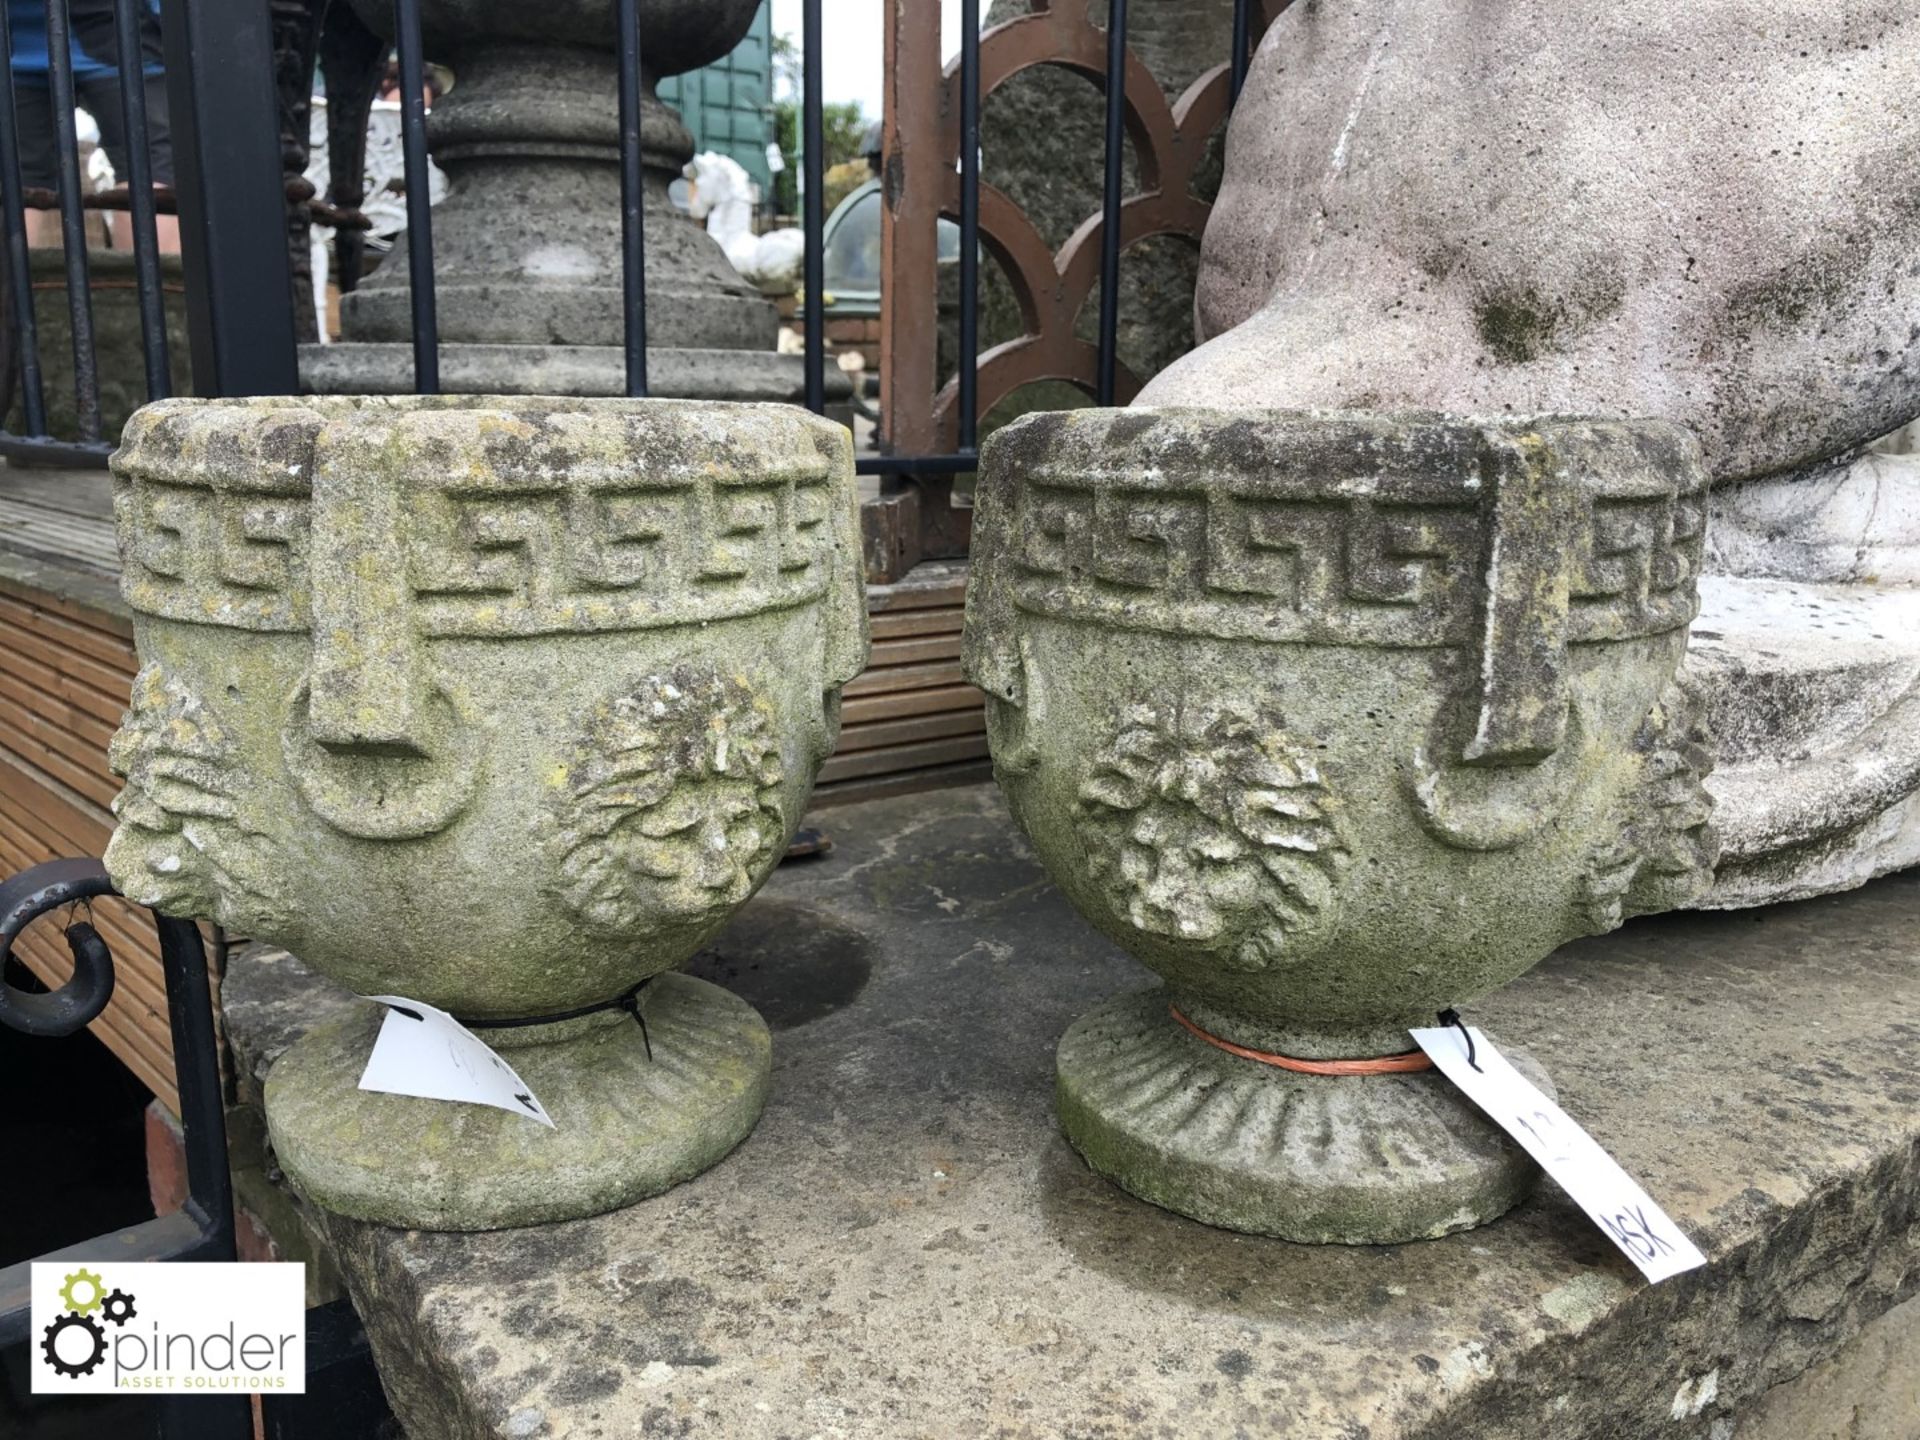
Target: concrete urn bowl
1335, 720
503, 705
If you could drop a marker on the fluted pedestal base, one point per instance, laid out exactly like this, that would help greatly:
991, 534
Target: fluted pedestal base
1356, 1160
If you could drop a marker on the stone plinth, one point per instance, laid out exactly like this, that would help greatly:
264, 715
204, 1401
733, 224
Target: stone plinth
906, 1245
386, 368
1814, 696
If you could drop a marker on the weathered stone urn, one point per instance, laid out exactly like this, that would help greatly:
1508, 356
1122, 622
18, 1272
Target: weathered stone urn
1335, 720
500, 705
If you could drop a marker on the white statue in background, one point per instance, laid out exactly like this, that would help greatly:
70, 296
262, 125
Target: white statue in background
721, 193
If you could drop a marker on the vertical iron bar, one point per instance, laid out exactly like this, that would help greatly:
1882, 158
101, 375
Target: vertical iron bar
969, 436
197, 1073
139, 178
1238, 75
633, 234
232, 196
73, 220
813, 218
413, 146
32, 397
196, 1052
1110, 205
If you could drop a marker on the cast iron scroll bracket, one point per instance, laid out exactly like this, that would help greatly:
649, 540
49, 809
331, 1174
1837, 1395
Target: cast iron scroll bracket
203, 1229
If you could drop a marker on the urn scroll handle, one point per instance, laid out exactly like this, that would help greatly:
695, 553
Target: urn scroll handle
1532, 517
364, 675
380, 745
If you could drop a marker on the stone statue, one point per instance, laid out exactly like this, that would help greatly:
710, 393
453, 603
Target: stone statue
720, 196
1707, 212
503, 706
1335, 721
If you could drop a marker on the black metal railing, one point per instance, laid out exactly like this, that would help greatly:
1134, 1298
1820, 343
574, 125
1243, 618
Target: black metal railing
13, 212
969, 358
633, 234
1116, 93
343, 1394
813, 222
229, 198
232, 196
203, 1229
239, 297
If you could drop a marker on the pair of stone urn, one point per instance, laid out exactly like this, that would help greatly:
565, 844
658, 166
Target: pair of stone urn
505, 705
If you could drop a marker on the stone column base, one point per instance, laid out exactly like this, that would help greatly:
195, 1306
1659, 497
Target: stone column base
386, 368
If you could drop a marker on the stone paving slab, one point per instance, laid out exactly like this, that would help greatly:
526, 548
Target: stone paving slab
907, 1247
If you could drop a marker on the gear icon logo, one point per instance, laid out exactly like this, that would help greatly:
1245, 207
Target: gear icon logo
118, 1307
88, 1284
50, 1345
76, 1342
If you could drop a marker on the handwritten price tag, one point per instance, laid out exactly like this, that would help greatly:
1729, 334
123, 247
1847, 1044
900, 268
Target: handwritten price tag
1572, 1157
426, 1052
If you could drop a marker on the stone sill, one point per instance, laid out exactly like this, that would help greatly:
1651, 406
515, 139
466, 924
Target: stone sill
906, 1246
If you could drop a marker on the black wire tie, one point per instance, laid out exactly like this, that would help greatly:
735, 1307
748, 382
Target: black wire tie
629, 1001
1451, 1016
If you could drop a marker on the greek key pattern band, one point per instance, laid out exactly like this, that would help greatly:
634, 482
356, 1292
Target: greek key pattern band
600, 555
1337, 571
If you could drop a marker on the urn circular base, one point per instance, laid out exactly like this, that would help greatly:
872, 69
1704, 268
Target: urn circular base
1355, 1160
626, 1126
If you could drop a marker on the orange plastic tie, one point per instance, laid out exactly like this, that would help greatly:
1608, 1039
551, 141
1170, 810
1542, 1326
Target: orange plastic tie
1382, 1065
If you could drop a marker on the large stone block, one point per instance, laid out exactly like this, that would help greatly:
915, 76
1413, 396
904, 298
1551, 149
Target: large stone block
907, 1246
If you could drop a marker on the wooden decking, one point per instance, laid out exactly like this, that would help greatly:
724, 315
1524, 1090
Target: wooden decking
63, 517
67, 664
910, 721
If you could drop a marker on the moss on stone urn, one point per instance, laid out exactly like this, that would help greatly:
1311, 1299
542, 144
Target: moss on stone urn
1335, 720
501, 705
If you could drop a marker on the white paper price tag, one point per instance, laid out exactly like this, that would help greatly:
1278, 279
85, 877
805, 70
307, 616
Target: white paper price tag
426, 1052
1594, 1179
